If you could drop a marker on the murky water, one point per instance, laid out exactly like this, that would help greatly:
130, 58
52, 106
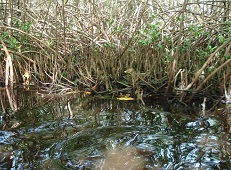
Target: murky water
91, 133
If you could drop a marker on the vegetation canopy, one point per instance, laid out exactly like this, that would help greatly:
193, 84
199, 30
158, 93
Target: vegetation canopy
139, 47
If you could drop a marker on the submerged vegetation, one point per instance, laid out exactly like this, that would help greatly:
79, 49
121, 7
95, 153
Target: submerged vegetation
179, 47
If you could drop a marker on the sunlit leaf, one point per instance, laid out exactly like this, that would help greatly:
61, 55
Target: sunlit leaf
87, 92
125, 98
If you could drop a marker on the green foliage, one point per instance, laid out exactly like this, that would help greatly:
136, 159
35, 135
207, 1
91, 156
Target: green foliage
14, 43
17, 39
180, 19
109, 45
185, 45
170, 58
4, 35
210, 49
109, 21
23, 26
221, 39
118, 29
227, 56
149, 35
196, 30
50, 43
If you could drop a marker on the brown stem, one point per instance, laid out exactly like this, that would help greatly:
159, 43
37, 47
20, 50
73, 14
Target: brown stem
176, 54
197, 75
208, 77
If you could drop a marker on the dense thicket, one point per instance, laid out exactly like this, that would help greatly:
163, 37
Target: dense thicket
172, 46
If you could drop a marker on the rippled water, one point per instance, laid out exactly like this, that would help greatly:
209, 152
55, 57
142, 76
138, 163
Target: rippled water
111, 134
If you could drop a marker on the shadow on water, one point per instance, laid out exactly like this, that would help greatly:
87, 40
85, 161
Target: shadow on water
73, 132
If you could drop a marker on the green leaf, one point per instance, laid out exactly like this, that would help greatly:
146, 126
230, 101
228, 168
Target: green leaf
4, 35
221, 39
227, 57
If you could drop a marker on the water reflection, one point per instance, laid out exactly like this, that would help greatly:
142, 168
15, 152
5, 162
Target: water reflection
124, 158
109, 134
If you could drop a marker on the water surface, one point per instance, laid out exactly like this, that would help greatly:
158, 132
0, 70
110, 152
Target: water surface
73, 132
